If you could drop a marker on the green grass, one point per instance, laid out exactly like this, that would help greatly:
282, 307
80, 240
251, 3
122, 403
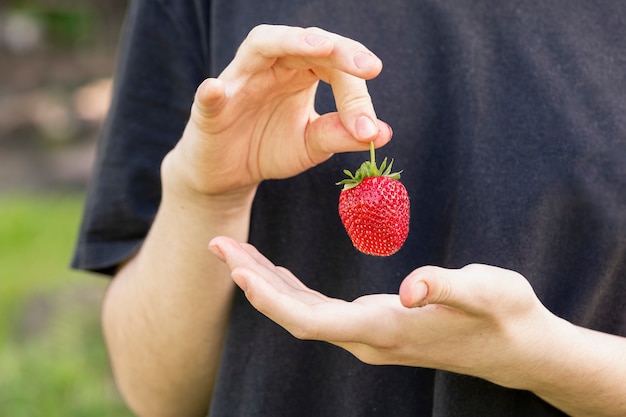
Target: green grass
52, 358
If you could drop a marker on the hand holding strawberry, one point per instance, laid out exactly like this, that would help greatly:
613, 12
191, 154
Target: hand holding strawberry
374, 208
257, 120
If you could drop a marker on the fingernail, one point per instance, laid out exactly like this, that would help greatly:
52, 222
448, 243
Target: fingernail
390, 130
420, 291
215, 250
366, 128
364, 60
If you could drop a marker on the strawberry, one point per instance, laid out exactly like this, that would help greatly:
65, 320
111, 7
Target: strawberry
374, 208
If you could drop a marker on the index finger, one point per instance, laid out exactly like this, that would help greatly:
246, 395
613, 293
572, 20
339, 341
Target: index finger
277, 293
304, 48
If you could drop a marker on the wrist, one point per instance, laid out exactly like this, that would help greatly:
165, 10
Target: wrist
181, 188
530, 355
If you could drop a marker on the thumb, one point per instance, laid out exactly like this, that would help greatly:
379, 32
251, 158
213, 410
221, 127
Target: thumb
434, 285
210, 97
327, 135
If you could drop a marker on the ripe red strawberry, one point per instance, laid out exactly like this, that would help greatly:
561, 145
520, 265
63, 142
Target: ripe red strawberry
374, 208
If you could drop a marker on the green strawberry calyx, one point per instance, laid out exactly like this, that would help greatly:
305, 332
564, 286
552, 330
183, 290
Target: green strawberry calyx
368, 169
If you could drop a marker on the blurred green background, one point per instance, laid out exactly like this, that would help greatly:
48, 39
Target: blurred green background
56, 61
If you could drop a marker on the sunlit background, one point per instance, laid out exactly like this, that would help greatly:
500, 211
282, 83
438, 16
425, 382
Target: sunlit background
56, 61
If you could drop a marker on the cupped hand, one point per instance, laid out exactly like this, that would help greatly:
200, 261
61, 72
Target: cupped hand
478, 320
257, 120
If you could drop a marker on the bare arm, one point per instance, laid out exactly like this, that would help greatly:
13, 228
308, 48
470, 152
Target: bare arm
584, 373
478, 320
166, 311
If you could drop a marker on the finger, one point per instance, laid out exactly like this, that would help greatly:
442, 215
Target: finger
452, 287
301, 311
354, 105
233, 254
263, 284
277, 293
413, 292
327, 135
295, 282
264, 291
236, 254
477, 289
243, 255
301, 48
256, 255
306, 314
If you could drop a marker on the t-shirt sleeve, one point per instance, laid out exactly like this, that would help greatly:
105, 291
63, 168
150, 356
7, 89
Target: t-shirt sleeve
162, 59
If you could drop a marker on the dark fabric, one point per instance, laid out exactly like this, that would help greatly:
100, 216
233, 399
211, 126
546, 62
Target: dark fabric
509, 122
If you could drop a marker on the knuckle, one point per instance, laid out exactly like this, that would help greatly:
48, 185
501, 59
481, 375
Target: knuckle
475, 268
258, 38
258, 31
314, 30
253, 40
355, 101
427, 270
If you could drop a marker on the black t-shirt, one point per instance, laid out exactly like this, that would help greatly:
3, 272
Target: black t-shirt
509, 122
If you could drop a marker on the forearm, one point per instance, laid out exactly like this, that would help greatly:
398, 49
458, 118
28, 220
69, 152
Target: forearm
520, 344
579, 371
587, 373
165, 313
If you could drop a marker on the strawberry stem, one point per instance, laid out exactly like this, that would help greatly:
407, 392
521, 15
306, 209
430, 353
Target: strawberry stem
368, 169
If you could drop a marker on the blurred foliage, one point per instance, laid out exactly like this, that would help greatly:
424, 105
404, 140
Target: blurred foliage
66, 26
72, 22
52, 357
61, 25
